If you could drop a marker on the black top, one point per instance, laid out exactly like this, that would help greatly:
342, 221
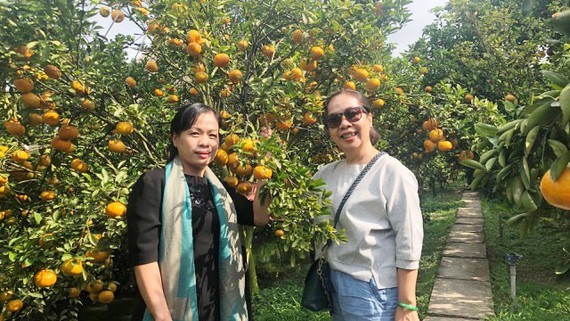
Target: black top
143, 214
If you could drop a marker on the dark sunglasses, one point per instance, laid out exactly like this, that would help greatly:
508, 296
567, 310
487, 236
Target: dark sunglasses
352, 114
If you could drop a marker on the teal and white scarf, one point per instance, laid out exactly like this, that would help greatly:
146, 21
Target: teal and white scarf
176, 251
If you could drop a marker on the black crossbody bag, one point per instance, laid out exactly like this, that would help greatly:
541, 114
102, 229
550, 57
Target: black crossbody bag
317, 290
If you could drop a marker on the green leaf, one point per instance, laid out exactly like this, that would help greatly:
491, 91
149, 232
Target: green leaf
489, 164
503, 172
517, 219
555, 78
475, 183
565, 104
543, 115
509, 125
473, 164
486, 130
486, 155
559, 165
527, 202
525, 173
517, 187
530, 139
502, 158
561, 21
558, 147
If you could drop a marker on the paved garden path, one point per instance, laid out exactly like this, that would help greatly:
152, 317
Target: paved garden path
462, 289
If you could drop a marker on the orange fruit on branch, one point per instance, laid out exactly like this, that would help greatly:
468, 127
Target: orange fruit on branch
6, 295
131, 82
72, 267
194, 49
79, 165
106, 296
124, 128
309, 118
115, 209
45, 278
193, 36
201, 77
430, 124
24, 85
98, 256
361, 74
60, 144
73, 293
221, 60
297, 36
350, 85
116, 146
52, 71
118, 16
68, 132
47, 196
231, 180
242, 45
317, 53
429, 146
262, 172
268, 50
20, 156
14, 127
444, 146
235, 75
31, 100
221, 158
510, 97
14, 305
372, 84
378, 103
244, 188
435, 135
51, 117
151, 66
557, 193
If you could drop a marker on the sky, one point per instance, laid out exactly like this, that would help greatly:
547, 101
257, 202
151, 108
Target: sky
412, 31
420, 9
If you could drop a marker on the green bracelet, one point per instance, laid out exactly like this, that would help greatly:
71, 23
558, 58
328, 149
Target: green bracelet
407, 306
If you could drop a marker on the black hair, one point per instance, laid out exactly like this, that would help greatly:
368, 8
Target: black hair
185, 118
363, 100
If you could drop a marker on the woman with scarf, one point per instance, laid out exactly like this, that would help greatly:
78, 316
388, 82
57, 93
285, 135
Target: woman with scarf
183, 230
374, 272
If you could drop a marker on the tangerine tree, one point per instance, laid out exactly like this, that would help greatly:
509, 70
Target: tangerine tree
82, 123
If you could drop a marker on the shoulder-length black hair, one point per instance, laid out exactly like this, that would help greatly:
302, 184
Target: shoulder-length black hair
185, 118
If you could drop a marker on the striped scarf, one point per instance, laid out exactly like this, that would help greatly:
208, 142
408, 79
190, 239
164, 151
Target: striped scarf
176, 251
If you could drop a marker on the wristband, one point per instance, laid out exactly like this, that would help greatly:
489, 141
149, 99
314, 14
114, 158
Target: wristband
408, 306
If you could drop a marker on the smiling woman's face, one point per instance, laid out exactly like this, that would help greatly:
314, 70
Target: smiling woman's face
198, 144
350, 137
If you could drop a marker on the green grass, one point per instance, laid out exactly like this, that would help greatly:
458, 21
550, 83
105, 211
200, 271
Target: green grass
541, 295
280, 294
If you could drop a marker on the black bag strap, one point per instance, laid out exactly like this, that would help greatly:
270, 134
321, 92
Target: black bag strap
351, 189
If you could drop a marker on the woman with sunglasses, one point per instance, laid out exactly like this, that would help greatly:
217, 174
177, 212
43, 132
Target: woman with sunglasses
374, 272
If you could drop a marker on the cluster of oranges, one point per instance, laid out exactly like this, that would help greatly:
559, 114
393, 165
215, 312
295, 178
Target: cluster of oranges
436, 137
240, 157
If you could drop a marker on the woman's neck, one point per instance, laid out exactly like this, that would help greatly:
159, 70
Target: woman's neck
361, 156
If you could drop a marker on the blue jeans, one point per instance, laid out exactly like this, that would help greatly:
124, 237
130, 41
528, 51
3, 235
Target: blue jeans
356, 300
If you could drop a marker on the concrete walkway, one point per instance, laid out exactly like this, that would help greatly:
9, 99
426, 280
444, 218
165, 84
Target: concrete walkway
462, 289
